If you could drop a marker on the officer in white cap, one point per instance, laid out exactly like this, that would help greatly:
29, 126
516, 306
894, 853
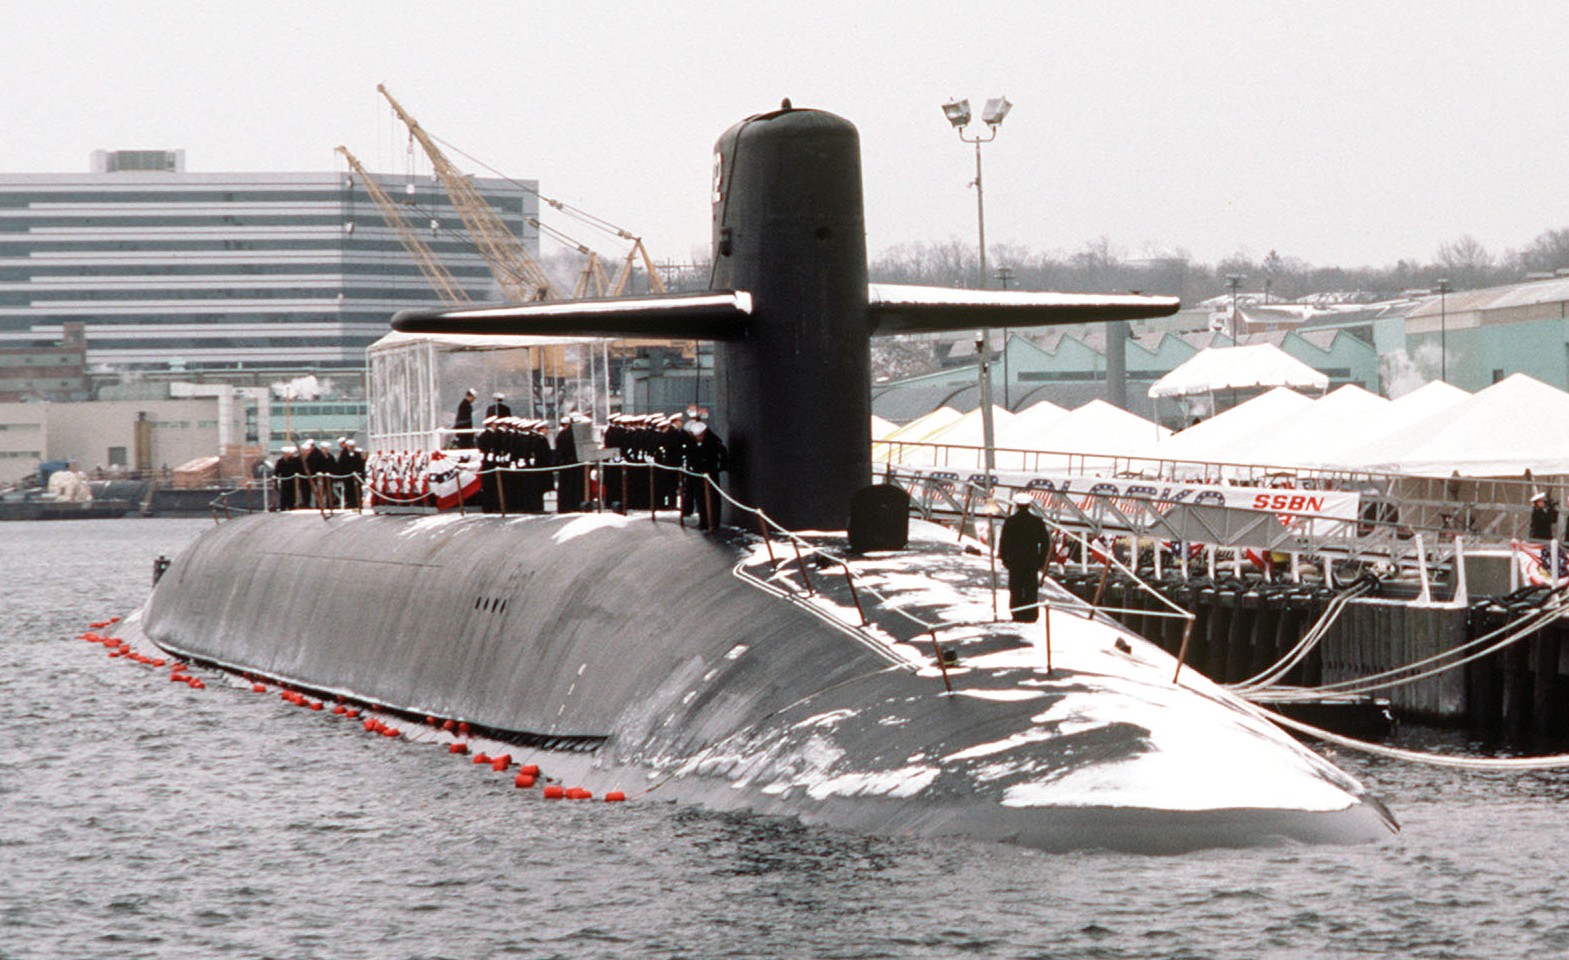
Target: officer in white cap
1544, 516
1024, 548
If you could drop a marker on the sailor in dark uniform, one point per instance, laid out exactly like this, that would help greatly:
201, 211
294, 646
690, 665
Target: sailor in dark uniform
488, 444
669, 453
498, 407
351, 474
526, 489
1023, 547
319, 468
705, 455
285, 474
1544, 516
463, 423
570, 492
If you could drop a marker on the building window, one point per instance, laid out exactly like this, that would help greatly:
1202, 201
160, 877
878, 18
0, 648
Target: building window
117, 457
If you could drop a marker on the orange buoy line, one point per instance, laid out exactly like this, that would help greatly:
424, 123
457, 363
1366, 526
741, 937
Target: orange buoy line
528, 774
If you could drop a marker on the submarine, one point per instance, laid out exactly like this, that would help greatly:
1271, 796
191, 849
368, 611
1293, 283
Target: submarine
772, 664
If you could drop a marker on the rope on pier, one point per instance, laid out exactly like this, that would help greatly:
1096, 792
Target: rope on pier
1554, 762
1271, 676
1510, 633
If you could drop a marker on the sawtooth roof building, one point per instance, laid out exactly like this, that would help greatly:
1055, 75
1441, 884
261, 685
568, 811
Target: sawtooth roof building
169, 270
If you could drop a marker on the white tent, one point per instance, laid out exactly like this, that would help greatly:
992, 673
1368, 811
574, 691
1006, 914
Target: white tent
882, 428
1022, 432
1502, 431
1373, 444
1217, 438
1311, 434
1095, 428
916, 431
1238, 368
967, 431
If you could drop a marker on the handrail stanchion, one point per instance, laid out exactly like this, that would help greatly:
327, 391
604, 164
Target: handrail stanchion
708, 500
800, 561
1105, 574
1046, 621
964, 518
991, 535
941, 663
653, 499
623, 472
1182, 651
762, 528
849, 578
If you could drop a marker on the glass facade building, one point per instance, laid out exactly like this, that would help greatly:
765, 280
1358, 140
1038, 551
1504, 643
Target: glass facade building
169, 270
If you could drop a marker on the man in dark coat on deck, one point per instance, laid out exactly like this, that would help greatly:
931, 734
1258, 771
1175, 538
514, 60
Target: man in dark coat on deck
463, 423
1544, 516
350, 472
286, 473
571, 491
705, 455
1023, 548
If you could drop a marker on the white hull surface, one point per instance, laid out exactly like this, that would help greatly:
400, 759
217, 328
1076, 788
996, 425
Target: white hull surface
650, 658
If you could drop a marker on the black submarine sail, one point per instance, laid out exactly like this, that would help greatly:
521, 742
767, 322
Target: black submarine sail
791, 314
657, 660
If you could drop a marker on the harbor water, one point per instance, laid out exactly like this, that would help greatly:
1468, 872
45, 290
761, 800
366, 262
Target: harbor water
143, 818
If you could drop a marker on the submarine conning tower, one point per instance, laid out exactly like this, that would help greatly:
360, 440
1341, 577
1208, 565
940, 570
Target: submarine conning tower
792, 315
793, 397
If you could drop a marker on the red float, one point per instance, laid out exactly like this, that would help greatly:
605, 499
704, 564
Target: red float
615, 796
554, 792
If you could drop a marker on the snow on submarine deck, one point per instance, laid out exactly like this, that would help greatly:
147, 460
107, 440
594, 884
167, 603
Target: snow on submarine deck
670, 663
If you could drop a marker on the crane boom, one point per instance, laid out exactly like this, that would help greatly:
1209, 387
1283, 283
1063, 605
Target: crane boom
520, 276
656, 283
441, 280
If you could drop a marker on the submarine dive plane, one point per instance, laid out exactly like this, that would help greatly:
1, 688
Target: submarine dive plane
700, 666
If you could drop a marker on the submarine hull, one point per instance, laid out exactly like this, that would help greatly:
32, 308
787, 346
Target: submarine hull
654, 659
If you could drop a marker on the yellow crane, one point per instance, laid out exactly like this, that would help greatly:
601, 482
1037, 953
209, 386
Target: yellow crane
656, 283
520, 275
441, 280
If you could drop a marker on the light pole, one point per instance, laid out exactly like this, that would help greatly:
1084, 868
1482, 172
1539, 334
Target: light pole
1004, 274
958, 114
1234, 280
1443, 330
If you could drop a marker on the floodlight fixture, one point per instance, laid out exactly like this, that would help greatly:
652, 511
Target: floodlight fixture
996, 109
957, 112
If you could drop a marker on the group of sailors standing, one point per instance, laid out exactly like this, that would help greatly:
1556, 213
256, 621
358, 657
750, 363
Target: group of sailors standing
688, 450
520, 464
512, 453
311, 476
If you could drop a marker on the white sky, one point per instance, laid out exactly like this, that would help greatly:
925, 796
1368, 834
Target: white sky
1346, 133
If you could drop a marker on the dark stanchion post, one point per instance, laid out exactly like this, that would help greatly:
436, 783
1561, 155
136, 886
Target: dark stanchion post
1105, 574
762, 528
941, 663
653, 499
708, 500
623, 472
1046, 620
800, 561
849, 578
501, 489
1182, 651
991, 535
